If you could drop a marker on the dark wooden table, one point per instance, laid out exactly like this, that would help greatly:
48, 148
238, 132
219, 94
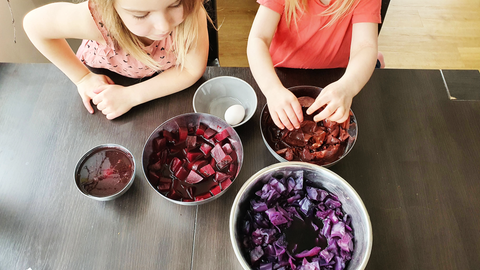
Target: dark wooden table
416, 165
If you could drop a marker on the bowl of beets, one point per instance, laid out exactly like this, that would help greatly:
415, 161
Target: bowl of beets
192, 158
298, 215
323, 143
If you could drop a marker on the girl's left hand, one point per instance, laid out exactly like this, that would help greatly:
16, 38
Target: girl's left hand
337, 99
113, 100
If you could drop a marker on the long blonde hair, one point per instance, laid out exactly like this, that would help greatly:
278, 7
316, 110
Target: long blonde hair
339, 9
184, 37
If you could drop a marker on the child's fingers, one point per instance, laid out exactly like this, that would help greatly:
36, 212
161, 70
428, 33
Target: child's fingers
293, 121
339, 116
109, 81
297, 108
86, 103
324, 114
276, 120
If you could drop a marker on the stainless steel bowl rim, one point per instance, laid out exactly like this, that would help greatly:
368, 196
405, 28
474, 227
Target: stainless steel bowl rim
119, 193
299, 165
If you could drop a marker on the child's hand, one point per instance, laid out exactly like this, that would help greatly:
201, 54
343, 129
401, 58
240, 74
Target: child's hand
113, 100
86, 86
285, 109
337, 100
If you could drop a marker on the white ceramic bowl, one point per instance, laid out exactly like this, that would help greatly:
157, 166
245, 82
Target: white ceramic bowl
216, 95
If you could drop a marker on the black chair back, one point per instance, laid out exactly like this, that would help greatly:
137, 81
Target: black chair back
211, 7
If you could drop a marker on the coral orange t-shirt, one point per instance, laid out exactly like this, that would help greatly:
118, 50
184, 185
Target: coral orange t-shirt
309, 46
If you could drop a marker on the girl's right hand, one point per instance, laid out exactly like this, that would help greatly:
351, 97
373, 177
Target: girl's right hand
284, 108
89, 83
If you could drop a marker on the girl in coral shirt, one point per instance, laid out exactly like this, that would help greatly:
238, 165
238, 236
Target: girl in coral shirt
313, 34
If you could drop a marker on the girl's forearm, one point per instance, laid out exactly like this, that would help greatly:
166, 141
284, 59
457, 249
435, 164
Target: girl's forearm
360, 69
168, 82
261, 66
61, 55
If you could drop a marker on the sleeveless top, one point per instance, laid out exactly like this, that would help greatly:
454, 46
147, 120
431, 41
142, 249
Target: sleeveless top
96, 55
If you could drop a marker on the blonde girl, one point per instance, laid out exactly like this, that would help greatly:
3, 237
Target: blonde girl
165, 40
313, 34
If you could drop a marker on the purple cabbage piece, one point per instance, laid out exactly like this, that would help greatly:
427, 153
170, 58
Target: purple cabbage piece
316, 194
309, 253
332, 203
338, 230
258, 206
276, 217
306, 206
266, 266
309, 266
256, 254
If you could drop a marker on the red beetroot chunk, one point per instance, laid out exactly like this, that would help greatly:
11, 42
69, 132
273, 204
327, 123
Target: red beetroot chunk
222, 135
207, 170
217, 153
209, 133
193, 178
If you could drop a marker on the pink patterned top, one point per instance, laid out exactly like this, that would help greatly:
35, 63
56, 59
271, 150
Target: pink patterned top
96, 55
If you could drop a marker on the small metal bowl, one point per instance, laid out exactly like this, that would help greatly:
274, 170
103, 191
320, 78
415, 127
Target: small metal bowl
105, 172
191, 120
323, 178
216, 95
311, 91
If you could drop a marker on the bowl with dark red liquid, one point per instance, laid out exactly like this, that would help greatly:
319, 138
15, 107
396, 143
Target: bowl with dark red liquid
301, 212
323, 143
192, 158
105, 172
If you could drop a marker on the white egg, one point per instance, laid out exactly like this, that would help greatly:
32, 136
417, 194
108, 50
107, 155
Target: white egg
234, 114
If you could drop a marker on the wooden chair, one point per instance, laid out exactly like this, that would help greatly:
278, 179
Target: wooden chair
383, 12
211, 7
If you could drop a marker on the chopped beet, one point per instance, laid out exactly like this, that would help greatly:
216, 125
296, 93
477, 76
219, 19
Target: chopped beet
207, 170
193, 178
227, 148
182, 134
203, 197
209, 133
164, 186
169, 136
191, 142
215, 190
226, 183
206, 148
224, 162
222, 135
196, 165
201, 129
159, 143
217, 153
176, 164
220, 177
181, 173
194, 155
154, 177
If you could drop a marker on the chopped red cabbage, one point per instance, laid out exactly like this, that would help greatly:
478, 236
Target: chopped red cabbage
270, 220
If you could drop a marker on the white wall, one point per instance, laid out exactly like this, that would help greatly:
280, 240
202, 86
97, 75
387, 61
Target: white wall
23, 50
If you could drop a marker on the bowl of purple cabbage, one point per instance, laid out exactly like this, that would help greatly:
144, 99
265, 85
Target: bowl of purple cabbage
299, 216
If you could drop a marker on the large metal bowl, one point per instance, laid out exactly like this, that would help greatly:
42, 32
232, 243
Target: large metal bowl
323, 178
311, 91
192, 120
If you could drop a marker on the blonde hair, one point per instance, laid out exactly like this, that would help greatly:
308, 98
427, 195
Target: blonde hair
184, 36
339, 9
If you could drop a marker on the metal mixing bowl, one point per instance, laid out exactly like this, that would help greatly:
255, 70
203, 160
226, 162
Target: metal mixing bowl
323, 178
192, 120
81, 178
311, 91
